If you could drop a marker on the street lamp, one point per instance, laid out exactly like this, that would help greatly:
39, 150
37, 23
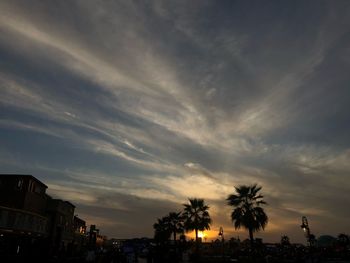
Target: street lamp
221, 233
306, 229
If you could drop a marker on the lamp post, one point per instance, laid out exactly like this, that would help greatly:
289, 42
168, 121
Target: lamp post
221, 234
305, 226
309, 237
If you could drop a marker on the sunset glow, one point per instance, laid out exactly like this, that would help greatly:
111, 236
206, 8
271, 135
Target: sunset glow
208, 235
202, 234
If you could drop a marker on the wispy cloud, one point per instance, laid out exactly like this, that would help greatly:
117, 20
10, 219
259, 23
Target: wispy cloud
147, 104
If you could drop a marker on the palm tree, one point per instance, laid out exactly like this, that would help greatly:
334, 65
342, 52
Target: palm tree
176, 225
247, 211
162, 230
196, 216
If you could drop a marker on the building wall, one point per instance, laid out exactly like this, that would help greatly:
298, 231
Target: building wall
12, 192
61, 215
35, 197
22, 222
23, 192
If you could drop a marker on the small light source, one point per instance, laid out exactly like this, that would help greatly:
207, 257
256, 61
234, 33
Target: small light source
304, 227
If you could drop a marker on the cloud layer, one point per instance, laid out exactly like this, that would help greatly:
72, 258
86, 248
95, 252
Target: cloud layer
129, 108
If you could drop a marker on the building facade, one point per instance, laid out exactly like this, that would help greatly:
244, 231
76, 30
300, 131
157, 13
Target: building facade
29, 216
23, 202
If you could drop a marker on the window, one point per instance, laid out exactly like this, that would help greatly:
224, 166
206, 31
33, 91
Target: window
37, 189
30, 188
19, 184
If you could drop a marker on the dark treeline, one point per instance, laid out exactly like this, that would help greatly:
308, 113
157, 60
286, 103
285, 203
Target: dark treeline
247, 212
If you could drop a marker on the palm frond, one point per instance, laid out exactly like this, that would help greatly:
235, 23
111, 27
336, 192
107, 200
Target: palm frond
247, 211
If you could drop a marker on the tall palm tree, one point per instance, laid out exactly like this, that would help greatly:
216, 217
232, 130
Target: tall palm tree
196, 216
247, 211
176, 224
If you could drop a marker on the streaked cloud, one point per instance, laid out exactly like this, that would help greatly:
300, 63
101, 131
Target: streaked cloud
127, 109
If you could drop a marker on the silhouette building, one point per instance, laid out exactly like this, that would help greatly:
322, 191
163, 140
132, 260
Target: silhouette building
28, 215
79, 226
60, 214
23, 205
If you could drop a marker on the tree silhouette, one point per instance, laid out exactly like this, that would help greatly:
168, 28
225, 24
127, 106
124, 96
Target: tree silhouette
167, 226
196, 216
176, 225
162, 231
285, 241
247, 212
343, 239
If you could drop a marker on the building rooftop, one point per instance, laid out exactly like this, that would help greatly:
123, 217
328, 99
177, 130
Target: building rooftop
29, 176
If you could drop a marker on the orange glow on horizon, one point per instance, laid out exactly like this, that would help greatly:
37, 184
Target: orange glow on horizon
206, 236
202, 235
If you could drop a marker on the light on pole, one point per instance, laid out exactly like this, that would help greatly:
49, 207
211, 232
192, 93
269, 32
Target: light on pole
305, 226
221, 233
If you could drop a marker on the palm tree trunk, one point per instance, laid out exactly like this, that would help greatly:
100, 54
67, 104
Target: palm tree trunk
174, 237
251, 238
197, 245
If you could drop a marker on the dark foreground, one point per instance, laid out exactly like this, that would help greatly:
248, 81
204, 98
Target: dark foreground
152, 253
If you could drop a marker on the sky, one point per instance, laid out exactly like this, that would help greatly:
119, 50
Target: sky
129, 108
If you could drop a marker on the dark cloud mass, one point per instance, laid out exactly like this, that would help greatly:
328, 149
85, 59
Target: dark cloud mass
127, 108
